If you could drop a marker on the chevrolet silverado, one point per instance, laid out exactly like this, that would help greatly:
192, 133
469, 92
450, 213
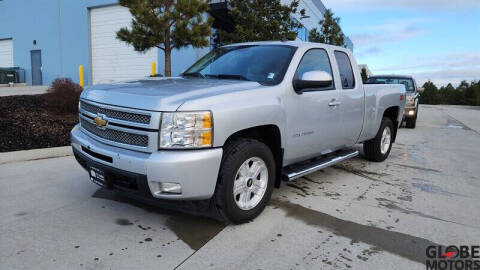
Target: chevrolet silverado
234, 125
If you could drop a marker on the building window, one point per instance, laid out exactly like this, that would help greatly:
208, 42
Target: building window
302, 33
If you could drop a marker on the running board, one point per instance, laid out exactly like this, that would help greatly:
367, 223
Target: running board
301, 170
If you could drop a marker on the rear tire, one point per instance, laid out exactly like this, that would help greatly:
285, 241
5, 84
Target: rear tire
378, 148
249, 166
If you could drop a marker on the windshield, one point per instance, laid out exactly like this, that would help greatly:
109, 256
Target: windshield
409, 86
265, 64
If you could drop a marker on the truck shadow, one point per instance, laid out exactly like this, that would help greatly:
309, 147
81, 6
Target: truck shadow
195, 228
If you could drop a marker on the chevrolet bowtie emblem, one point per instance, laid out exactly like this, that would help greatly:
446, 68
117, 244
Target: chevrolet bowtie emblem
100, 121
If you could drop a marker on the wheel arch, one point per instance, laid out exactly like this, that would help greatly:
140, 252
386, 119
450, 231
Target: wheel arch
393, 113
270, 135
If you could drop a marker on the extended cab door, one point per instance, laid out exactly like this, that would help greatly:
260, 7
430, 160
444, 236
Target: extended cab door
352, 99
313, 116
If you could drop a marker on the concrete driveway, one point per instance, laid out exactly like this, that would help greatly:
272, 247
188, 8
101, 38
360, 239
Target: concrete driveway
357, 215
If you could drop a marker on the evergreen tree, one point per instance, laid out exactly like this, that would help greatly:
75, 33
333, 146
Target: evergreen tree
464, 94
470, 95
456, 97
448, 95
430, 94
477, 92
167, 25
330, 31
442, 92
260, 20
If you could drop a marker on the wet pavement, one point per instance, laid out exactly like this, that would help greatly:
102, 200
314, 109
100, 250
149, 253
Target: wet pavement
355, 215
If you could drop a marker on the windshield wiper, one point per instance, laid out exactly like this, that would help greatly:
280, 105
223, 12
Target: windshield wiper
194, 74
229, 76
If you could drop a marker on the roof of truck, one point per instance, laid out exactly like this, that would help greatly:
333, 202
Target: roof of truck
288, 43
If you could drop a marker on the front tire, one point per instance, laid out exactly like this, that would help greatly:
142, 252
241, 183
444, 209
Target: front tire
411, 122
245, 181
378, 148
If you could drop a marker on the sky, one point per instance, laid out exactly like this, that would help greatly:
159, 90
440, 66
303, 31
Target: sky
437, 40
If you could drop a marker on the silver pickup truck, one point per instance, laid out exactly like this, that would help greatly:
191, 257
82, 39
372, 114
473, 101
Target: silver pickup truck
234, 125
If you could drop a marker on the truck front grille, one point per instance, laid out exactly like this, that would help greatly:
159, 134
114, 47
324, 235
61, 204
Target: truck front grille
116, 114
115, 135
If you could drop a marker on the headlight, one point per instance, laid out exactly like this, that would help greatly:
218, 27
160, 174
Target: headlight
186, 130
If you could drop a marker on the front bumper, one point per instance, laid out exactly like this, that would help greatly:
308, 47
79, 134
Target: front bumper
410, 112
195, 170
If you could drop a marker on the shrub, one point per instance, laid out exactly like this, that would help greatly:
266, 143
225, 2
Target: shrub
63, 96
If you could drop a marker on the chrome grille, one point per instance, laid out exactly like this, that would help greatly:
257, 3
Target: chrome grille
115, 114
115, 135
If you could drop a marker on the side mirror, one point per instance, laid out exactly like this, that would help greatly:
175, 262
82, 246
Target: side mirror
313, 79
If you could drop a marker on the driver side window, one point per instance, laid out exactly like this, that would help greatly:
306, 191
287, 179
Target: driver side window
315, 60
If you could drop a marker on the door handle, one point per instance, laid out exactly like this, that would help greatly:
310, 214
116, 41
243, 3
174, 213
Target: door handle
334, 103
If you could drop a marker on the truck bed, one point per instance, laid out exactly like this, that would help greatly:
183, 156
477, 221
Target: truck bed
378, 97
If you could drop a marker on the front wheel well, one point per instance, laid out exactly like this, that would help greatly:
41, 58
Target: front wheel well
392, 113
269, 135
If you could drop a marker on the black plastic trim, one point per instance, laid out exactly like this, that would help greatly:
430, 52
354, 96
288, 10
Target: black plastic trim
97, 155
115, 178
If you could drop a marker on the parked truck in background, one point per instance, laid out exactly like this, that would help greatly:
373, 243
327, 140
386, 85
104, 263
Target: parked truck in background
412, 104
235, 124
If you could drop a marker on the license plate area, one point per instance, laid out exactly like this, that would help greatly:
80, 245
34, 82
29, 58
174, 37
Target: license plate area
97, 176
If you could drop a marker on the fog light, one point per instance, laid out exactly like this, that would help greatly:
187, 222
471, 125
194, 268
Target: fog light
172, 188
411, 112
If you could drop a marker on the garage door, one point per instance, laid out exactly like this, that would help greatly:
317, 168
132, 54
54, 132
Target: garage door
112, 59
6, 53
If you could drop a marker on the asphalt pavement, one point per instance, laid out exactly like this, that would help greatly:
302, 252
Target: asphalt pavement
356, 215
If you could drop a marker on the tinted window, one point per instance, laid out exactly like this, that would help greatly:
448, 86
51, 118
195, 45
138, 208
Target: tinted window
314, 60
408, 84
264, 63
346, 71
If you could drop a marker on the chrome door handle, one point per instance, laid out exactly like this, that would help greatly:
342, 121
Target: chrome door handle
334, 103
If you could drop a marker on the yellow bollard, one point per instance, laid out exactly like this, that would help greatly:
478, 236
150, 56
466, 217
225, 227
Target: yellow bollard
154, 69
80, 76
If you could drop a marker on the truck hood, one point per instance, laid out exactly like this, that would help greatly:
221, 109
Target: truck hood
162, 94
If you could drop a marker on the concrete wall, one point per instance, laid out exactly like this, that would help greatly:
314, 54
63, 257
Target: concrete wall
60, 28
61, 31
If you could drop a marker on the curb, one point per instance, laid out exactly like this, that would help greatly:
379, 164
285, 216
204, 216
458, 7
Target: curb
36, 154
23, 91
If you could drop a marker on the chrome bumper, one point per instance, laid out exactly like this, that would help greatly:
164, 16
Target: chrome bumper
195, 170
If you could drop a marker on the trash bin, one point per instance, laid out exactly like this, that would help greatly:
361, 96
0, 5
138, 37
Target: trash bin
20, 74
8, 76
12, 75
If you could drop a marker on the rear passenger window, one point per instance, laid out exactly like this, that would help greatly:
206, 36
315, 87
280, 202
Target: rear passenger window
346, 71
314, 60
